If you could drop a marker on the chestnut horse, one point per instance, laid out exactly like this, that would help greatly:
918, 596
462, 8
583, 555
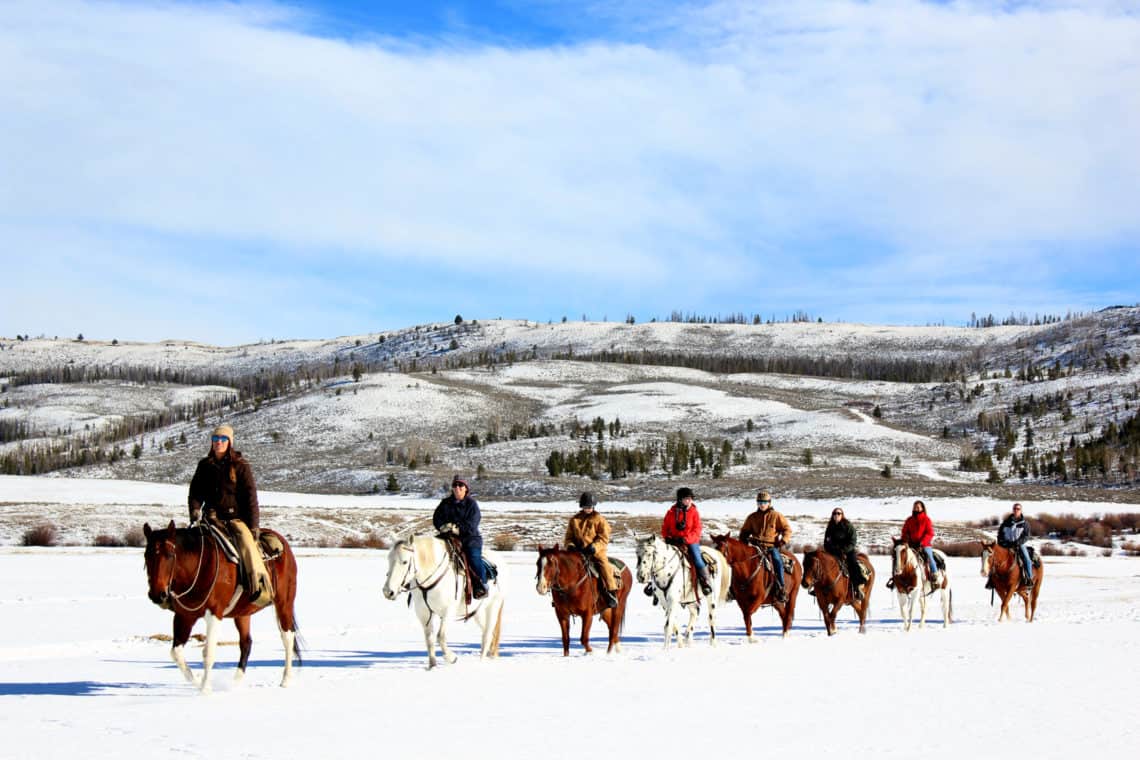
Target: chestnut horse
910, 576
1000, 565
562, 573
188, 574
832, 589
753, 584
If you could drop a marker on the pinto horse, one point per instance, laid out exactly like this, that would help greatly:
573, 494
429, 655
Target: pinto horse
666, 569
188, 573
753, 585
424, 567
832, 589
1000, 565
563, 574
910, 574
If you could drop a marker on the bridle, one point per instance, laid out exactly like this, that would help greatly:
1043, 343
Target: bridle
555, 588
659, 565
409, 581
176, 596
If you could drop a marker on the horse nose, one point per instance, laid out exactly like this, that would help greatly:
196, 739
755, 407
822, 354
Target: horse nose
389, 594
158, 597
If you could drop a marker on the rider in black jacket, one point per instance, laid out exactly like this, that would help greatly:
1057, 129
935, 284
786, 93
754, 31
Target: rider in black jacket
839, 540
1012, 534
461, 511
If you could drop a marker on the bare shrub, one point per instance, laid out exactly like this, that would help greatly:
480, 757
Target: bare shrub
880, 550
1048, 549
371, 541
960, 548
1106, 553
1131, 548
134, 537
104, 539
41, 535
505, 542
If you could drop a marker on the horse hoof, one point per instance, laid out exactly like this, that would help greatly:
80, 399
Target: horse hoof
285, 682
238, 675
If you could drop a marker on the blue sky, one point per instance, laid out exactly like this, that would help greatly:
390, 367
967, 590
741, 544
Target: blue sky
232, 172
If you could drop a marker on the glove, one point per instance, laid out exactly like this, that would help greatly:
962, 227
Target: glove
449, 528
588, 550
195, 515
779, 542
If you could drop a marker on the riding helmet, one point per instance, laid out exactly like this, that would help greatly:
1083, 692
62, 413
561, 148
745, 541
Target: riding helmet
587, 500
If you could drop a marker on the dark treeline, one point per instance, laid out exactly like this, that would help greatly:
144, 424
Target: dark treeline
676, 455
1020, 319
862, 368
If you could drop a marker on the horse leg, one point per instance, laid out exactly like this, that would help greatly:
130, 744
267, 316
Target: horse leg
903, 598
245, 644
861, 612
712, 621
208, 651
488, 619
447, 653
182, 628
564, 624
694, 615
945, 607
587, 622
670, 624
922, 609
429, 635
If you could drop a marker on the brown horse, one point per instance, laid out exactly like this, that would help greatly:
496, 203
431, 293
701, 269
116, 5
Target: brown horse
754, 585
832, 589
562, 573
188, 574
1000, 565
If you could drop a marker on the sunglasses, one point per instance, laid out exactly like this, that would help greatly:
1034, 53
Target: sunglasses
216, 438
836, 512
763, 501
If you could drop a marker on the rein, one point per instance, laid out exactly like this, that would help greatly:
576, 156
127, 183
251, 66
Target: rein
654, 569
563, 590
177, 597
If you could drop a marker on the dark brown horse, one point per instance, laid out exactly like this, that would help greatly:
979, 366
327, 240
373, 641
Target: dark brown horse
188, 574
832, 588
754, 585
562, 573
1000, 565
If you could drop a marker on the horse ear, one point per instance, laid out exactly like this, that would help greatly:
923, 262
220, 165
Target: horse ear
146, 530
171, 527
540, 548
556, 546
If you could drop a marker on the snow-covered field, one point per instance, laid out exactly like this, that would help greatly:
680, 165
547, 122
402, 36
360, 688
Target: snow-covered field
81, 673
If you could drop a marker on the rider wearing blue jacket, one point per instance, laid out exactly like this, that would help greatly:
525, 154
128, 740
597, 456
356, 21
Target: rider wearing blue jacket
461, 512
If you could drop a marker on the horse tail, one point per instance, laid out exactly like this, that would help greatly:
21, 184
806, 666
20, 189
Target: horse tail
298, 642
498, 628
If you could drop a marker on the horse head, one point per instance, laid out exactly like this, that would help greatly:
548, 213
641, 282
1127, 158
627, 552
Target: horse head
987, 556
899, 551
547, 572
809, 578
646, 554
401, 570
161, 558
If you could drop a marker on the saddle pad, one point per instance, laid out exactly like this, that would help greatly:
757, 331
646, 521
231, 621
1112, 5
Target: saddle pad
224, 541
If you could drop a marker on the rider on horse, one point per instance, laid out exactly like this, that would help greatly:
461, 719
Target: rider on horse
1012, 534
839, 541
918, 533
224, 487
589, 533
682, 527
459, 514
769, 530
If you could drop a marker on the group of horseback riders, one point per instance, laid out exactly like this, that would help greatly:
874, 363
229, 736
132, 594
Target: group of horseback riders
223, 493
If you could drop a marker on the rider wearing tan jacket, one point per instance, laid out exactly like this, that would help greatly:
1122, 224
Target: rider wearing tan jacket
589, 533
769, 530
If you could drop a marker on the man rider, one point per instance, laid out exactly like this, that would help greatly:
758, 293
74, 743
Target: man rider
1012, 534
769, 530
589, 533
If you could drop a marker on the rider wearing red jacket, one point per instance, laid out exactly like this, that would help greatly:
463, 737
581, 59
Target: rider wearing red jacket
918, 532
682, 525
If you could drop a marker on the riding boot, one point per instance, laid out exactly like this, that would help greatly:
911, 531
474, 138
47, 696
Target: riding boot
891, 583
610, 598
706, 584
478, 589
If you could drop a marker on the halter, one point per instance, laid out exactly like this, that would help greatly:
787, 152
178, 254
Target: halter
177, 597
552, 558
659, 566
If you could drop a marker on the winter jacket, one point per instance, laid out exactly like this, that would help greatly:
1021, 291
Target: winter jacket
839, 538
1014, 531
682, 524
588, 529
463, 514
918, 530
764, 527
226, 487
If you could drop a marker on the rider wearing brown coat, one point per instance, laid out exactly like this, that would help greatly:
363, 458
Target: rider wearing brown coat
769, 530
223, 487
589, 533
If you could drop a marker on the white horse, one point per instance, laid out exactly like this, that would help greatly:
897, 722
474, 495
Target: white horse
912, 583
423, 567
667, 569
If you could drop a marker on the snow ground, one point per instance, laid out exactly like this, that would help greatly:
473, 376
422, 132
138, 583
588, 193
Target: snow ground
79, 672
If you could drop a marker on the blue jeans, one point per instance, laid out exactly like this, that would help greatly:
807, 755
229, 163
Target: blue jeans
778, 563
930, 563
698, 560
1023, 550
474, 548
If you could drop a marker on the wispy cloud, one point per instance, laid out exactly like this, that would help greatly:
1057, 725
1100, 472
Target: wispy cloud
711, 157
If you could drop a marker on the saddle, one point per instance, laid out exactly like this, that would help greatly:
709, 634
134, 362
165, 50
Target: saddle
596, 574
845, 571
766, 559
459, 559
269, 544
